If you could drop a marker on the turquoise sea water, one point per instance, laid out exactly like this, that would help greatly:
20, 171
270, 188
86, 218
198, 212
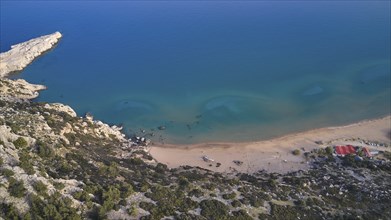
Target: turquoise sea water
210, 70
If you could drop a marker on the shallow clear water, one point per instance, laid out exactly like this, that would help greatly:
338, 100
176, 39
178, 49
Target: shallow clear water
211, 71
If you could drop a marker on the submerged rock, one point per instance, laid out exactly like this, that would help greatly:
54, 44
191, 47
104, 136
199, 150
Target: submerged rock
24, 53
161, 127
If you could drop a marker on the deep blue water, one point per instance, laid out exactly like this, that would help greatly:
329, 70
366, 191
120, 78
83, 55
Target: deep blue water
211, 71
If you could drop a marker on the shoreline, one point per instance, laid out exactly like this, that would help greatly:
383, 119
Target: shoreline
288, 135
272, 155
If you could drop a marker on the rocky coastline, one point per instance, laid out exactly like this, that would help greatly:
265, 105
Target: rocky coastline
57, 165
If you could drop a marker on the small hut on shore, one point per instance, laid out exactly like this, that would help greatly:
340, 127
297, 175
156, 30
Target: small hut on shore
350, 149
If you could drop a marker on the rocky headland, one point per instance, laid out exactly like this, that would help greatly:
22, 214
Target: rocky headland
24, 53
55, 164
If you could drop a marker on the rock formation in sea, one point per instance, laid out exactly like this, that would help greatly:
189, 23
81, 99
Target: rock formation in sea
24, 53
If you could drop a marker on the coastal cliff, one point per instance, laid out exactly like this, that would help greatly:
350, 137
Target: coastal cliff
24, 53
56, 165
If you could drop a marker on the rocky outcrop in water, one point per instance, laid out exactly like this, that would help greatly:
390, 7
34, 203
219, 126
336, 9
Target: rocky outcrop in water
19, 89
24, 53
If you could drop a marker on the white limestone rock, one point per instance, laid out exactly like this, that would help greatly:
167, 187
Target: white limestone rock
61, 108
24, 53
19, 89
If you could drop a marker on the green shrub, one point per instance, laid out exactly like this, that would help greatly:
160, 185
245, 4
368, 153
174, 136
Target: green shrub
229, 195
82, 196
183, 182
159, 193
8, 211
58, 186
14, 128
241, 215
92, 188
236, 203
185, 204
136, 161
283, 212
144, 187
1, 161
20, 143
321, 152
193, 175
63, 167
16, 188
146, 206
196, 193
126, 190
25, 163
132, 211
296, 152
110, 199
214, 209
71, 137
55, 208
111, 194
349, 160
300, 202
40, 187
256, 201
272, 183
44, 151
7, 173
27, 167
111, 170
387, 155
209, 186
188, 216
329, 150
161, 168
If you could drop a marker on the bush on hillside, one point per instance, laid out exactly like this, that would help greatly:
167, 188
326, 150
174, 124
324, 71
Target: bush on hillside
214, 209
296, 152
16, 188
20, 143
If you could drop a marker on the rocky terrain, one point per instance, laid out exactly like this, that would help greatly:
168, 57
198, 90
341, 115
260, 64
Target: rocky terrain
24, 53
19, 89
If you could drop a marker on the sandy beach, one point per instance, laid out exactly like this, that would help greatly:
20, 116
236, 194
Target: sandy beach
274, 155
